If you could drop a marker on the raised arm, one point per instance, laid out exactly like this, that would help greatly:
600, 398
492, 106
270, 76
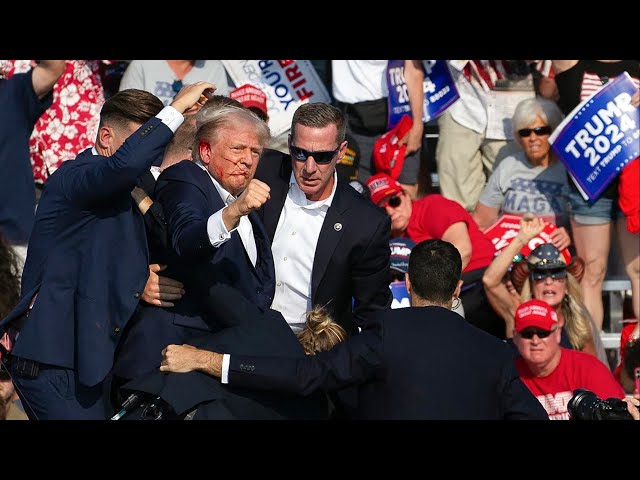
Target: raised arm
45, 75
414, 77
458, 235
498, 294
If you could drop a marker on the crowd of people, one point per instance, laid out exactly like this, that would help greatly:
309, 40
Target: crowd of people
153, 239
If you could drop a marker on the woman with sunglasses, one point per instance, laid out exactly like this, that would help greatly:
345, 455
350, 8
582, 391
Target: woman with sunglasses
545, 276
533, 180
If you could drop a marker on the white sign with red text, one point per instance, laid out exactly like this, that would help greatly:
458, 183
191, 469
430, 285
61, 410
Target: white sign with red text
287, 84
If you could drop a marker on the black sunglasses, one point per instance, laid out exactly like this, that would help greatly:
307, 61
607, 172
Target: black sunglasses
176, 86
539, 275
320, 157
528, 333
393, 202
539, 131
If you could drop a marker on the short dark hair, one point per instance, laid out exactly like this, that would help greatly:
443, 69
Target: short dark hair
434, 270
129, 106
319, 115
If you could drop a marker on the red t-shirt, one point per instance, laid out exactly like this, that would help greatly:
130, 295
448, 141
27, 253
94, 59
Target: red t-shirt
433, 214
575, 370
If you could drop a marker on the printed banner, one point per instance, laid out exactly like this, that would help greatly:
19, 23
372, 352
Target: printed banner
506, 229
400, 295
599, 137
439, 90
287, 84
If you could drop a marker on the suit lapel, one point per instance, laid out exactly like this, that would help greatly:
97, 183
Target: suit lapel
330, 235
273, 207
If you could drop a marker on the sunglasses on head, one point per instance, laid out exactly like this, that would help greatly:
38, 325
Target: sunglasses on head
539, 275
393, 202
528, 333
539, 131
321, 157
176, 86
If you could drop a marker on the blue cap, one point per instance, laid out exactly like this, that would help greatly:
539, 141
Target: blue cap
400, 251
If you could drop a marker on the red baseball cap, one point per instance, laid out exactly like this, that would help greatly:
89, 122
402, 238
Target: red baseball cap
250, 96
535, 313
382, 185
388, 154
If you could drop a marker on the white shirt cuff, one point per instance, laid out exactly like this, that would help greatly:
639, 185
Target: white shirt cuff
226, 359
218, 233
171, 117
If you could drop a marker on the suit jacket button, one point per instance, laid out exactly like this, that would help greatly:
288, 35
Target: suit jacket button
137, 294
117, 329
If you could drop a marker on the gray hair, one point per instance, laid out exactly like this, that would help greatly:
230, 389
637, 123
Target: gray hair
225, 117
527, 111
319, 115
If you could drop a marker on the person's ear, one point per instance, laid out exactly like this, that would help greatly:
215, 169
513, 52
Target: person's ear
204, 148
407, 283
343, 150
105, 137
456, 293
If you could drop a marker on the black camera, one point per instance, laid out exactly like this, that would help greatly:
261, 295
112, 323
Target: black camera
585, 405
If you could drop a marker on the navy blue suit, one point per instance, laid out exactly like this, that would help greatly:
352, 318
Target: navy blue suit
19, 113
416, 362
189, 198
88, 262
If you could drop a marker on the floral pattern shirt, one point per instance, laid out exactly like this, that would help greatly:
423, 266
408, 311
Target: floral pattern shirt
70, 125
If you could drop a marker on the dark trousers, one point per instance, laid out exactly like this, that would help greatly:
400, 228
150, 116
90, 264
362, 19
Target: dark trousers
55, 393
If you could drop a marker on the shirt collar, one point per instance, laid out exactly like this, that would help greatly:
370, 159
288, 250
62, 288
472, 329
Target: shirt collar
226, 196
300, 199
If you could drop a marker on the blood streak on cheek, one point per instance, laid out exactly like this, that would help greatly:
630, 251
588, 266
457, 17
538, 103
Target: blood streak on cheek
220, 172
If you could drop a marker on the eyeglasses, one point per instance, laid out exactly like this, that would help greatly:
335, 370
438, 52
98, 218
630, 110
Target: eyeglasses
393, 202
321, 157
528, 333
539, 131
176, 86
539, 275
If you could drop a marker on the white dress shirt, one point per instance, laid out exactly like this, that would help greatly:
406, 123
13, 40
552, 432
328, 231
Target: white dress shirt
216, 229
294, 249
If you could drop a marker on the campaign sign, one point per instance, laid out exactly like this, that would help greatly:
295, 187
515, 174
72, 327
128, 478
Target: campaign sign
599, 137
506, 229
286, 83
400, 295
439, 90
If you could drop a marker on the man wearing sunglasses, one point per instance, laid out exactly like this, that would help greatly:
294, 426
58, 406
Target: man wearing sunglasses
330, 245
553, 372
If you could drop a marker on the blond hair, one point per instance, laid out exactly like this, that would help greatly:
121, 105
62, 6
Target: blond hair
577, 322
321, 332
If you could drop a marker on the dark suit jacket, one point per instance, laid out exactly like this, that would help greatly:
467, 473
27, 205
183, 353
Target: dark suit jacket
20, 111
87, 258
352, 256
248, 330
421, 362
188, 197
154, 221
